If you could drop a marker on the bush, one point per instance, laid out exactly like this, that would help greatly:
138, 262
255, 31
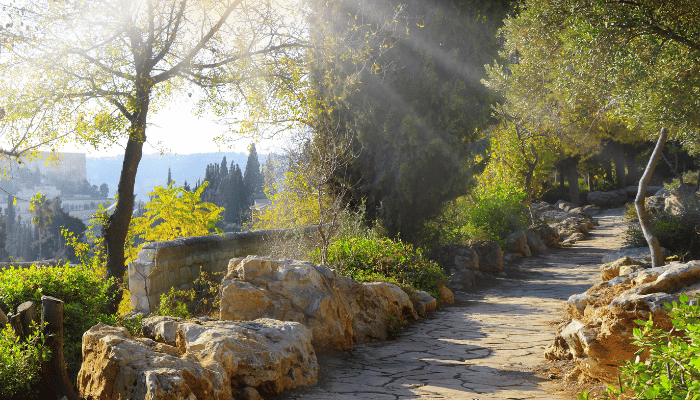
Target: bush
672, 370
20, 364
375, 259
202, 300
81, 289
678, 233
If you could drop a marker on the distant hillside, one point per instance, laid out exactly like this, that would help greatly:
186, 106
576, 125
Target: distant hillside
153, 169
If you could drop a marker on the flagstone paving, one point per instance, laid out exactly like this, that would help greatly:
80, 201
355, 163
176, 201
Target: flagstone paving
485, 346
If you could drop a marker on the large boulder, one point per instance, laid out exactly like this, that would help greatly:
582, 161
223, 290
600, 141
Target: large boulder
599, 334
489, 253
608, 199
516, 243
633, 190
212, 361
338, 310
460, 265
535, 242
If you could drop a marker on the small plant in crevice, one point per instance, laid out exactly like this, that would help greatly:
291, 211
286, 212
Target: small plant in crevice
394, 326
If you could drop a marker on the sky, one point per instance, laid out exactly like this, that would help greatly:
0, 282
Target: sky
182, 132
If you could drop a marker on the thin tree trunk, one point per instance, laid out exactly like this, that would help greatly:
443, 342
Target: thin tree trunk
657, 258
53, 372
572, 179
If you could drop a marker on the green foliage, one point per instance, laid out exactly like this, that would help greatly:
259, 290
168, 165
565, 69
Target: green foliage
173, 303
20, 363
394, 326
496, 212
202, 300
377, 259
172, 213
679, 233
82, 290
672, 370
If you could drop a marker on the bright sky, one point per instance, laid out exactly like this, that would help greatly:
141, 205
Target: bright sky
182, 132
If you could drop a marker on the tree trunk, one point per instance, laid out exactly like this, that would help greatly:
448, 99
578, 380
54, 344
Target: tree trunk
619, 157
53, 372
117, 225
657, 259
572, 179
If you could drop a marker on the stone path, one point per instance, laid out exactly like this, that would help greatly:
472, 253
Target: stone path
486, 346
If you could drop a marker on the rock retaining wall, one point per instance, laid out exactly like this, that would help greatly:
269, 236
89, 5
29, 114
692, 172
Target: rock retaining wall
176, 263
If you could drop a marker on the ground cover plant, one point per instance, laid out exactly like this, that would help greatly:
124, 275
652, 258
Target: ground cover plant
20, 363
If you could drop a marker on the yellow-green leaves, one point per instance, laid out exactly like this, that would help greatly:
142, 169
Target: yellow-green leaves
173, 213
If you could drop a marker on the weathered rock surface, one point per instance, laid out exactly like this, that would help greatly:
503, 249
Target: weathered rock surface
516, 243
608, 199
612, 269
548, 235
535, 242
602, 319
338, 310
446, 295
212, 360
641, 255
489, 253
461, 263
655, 204
588, 210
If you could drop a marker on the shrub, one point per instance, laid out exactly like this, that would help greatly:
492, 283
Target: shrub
20, 364
672, 370
81, 289
202, 300
678, 233
376, 259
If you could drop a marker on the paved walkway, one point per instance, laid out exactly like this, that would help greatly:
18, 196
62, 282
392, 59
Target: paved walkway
486, 346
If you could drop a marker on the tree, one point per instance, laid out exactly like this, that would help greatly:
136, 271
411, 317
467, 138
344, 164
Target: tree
104, 190
637, 61
252, 177
411, 99
170, 178
102, 68
40, 208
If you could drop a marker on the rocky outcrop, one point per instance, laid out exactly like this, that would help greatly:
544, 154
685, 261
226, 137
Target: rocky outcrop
548, 235
213, 360
461, 264
612, 269
599, 333
535, 242
489, 254
338, 310
516, 243
608, 199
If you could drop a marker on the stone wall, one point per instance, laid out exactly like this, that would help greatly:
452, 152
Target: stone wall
176, 263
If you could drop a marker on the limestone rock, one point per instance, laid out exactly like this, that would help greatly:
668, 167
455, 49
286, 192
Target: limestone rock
3, 319
211, 360
564, 205
549, 235
655, 204
250, 393
446, 295
638, 254
612, 269
117, 366
265, 354
161, 328
608, 199
534, 242
489, 253
338, 310
516, 243
461, 263
589, 210
429, 301
600, 334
